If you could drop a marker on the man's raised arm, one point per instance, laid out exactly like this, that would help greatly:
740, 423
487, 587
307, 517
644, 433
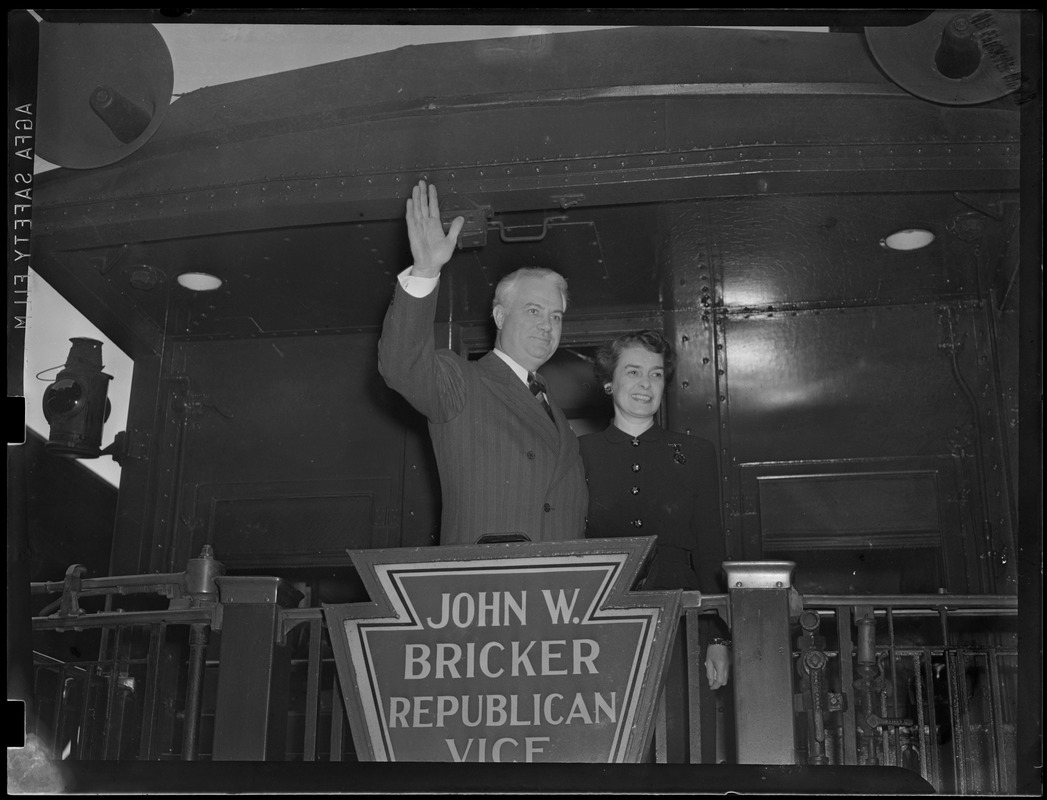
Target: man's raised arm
406, 352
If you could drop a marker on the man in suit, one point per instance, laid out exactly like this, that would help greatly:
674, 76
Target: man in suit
508, 460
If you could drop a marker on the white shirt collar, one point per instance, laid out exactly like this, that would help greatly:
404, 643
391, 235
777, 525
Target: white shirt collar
521, 373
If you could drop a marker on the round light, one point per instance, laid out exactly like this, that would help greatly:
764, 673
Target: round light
63, 398
909, 239
199, 281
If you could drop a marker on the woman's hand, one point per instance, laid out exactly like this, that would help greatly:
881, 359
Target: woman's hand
717, 665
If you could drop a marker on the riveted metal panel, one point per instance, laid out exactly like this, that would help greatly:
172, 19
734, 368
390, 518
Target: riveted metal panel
866, 126
868, 389
806, 251
843, 383
512, 144
306, 423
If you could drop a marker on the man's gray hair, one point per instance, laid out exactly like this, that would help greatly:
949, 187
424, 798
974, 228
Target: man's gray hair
504, 290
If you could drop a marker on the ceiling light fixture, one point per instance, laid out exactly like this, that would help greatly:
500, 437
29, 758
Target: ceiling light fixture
199, 281
908, 239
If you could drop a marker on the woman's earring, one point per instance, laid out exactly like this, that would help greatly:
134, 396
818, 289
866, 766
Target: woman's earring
607, 388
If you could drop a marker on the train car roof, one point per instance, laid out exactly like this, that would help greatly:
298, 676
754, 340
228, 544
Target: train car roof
567, 149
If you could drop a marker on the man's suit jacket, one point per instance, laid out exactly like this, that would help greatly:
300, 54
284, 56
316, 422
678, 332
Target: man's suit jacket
504, 466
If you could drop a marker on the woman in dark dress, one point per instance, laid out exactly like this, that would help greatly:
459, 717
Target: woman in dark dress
644, 480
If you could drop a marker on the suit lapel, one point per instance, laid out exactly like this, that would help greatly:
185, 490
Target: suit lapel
508, 388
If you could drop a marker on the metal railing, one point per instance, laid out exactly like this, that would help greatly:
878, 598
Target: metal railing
922, 682
128, 700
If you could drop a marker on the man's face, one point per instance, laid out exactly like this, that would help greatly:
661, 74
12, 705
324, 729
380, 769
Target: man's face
529, 324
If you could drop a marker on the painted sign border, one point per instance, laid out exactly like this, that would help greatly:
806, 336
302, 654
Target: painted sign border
382, 572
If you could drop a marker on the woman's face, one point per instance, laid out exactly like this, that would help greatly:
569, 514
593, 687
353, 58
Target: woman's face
638, 383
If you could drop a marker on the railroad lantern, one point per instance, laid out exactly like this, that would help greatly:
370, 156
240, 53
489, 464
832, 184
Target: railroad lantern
75, 405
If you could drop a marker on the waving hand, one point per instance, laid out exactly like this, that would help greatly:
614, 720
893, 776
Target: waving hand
430, 248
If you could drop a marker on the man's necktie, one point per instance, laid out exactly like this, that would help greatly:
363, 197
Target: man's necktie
534, 383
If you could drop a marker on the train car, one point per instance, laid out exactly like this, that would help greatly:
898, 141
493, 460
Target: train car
837, 230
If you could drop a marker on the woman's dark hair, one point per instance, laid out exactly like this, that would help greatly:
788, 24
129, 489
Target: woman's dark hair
607, 356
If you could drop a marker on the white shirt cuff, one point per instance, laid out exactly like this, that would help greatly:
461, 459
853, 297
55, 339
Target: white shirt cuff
415, 285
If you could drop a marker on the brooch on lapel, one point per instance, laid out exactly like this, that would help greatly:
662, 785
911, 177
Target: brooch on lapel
678, 457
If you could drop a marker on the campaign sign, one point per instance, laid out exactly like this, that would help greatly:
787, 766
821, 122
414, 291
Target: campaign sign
524, 652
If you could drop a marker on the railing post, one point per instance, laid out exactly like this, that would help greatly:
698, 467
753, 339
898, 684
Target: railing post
202, 591
867, 685
763, 671
253, 675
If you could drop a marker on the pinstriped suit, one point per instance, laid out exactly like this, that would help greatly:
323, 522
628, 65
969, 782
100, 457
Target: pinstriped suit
504, 467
